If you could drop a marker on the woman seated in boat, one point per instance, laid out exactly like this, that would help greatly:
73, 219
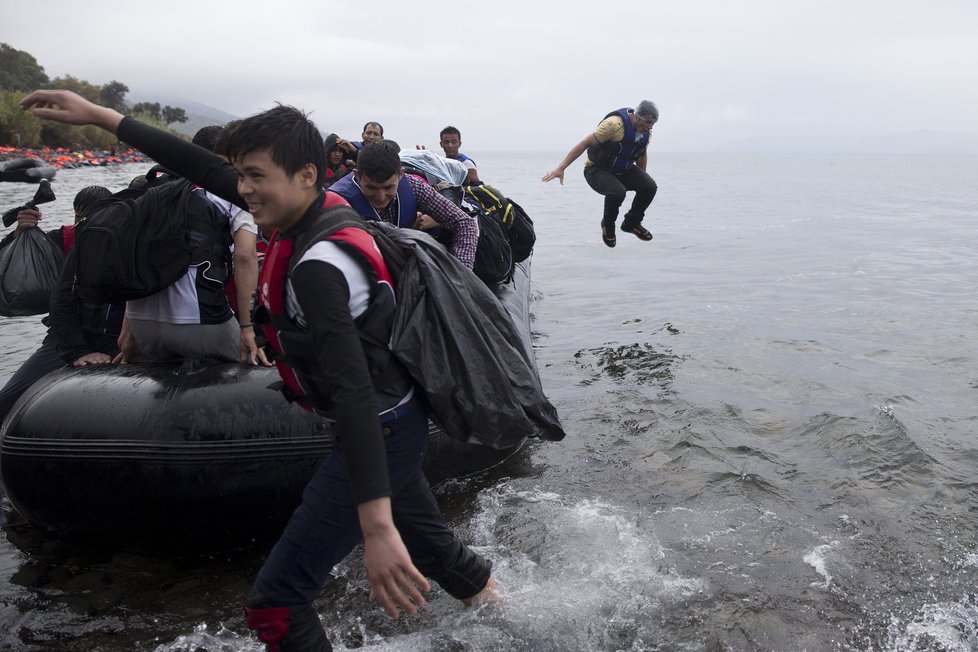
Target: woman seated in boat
336, 161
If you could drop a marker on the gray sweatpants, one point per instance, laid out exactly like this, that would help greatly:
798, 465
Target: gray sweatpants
162, 341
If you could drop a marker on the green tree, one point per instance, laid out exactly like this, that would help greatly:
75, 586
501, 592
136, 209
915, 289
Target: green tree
96, 137
91, 92
13, 120
55, 134
19, 71
173, 114
113, 95
151, 109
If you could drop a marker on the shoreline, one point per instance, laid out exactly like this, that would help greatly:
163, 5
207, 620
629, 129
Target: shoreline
64, 158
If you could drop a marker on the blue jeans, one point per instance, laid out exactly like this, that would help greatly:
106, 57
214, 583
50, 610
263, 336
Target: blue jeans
325, 527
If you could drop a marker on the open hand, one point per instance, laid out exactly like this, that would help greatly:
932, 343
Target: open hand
70, 108
346, 145
394, 580
554, 174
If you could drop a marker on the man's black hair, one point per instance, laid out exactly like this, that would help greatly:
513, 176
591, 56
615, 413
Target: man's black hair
207, 136
221, 144
379, 161
291, 138
379, 126
86, 197
450, 130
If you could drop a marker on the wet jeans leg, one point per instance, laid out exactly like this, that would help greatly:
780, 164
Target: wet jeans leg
42, 362
325, 527
607, 184
435, 549
285, 629
322, 530
638, 180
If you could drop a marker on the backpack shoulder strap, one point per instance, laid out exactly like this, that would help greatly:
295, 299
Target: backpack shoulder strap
395, 255
328, 222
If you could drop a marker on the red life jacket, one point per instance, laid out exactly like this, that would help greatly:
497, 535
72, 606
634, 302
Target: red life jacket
67, 237
293, 349
331, 174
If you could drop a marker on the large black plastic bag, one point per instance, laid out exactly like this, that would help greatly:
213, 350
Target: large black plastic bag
29, 270
459, 343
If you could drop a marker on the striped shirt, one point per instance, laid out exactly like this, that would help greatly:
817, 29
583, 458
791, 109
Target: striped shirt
463, 227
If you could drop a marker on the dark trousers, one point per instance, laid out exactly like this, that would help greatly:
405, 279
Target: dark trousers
325, 527
42, 362
613, 187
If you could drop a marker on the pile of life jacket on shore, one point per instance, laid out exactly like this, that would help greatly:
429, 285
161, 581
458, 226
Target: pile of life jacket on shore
61, 158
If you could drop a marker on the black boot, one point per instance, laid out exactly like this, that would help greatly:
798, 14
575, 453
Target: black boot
289, 629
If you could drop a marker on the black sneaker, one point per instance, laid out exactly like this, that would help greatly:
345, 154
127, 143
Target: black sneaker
637, 230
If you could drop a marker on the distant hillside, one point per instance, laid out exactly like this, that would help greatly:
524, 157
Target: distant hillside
912, 142
198, 115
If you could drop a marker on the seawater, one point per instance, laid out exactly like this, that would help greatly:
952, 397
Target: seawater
771, 417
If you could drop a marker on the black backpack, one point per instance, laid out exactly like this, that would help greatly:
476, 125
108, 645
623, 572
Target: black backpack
493, 256
488, 198
522, 235
142, 240
518, 225
494, 262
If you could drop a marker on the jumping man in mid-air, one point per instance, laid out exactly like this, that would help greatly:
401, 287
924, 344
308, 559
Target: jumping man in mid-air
617, 159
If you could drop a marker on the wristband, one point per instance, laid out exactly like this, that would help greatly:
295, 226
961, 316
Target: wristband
244, 326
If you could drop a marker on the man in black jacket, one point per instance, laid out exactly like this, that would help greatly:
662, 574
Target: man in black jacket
79, 332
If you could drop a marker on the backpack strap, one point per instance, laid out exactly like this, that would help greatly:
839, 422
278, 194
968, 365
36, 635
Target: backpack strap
333, 220
395, 256
327, 223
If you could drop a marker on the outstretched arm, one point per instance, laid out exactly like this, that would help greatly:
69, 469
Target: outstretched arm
200, 166
576, 151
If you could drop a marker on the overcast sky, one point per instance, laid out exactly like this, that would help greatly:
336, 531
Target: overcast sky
533, 75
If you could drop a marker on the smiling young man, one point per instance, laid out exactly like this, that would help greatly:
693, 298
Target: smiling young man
616, 163
321, 295
379, 190
450, 140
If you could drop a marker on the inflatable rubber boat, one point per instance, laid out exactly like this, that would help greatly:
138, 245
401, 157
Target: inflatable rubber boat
26, 170
204, 451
